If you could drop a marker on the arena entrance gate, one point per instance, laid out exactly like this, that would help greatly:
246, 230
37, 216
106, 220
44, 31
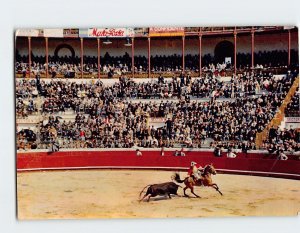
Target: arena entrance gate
56, 51
64, 46
224, 49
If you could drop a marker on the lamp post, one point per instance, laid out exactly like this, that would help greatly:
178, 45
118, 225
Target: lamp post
289, 47
252, 48
200, 55
98, 53
132, 56
234, 34
149, 57
183, 58
29, 55
81, 56
47, 56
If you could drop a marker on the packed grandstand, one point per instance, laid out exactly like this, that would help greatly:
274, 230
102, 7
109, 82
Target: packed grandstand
240, 101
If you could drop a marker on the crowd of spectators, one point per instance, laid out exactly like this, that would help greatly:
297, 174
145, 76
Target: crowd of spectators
26, 139
61, 94
283, 140
108, 117
117, 65
69, 66
293, 108
25, 108
242, 146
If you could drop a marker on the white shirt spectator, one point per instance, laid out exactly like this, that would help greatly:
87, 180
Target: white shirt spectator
282, 156
138, 153
231, 155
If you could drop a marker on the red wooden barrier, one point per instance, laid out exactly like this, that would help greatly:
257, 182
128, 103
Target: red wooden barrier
254, 163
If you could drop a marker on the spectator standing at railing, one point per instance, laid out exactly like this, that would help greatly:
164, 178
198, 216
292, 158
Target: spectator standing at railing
169, 124
182, 152
281, 155
182, 79
245, 148
160, 79
188, 80
230, 153
217, 151
55, 145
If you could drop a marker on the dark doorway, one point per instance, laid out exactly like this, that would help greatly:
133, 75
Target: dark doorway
64, 46
224, 49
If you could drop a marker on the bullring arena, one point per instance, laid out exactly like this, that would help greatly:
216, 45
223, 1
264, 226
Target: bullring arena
103, 112
113, 192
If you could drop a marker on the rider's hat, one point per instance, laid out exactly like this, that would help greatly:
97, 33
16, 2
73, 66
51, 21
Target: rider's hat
193, 163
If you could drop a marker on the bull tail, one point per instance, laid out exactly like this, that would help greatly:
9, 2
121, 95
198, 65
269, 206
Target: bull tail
144, 189
177, 178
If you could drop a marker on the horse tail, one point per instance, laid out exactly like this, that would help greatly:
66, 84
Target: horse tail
177, 178
144, 189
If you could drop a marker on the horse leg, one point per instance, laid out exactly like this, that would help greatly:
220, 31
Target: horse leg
216, 187
169, 196
185, 188
192, 191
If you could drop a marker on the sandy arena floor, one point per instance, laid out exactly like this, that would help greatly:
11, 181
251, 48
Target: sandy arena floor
115, 193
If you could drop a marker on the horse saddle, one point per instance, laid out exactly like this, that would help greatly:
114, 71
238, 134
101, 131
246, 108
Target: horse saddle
194, 181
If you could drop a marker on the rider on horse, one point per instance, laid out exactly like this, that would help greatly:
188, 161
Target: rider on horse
196, 178
195, 171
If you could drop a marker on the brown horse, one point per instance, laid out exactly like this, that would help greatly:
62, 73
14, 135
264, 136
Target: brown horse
205, 180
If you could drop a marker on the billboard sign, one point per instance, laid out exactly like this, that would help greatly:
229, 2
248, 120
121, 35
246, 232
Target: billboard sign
110, 32
166, 31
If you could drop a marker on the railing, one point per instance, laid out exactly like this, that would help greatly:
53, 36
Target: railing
230, 30
279, 116
155, 74
116, 76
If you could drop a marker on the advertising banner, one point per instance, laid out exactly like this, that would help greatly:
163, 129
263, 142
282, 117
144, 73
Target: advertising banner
110, 32
71, 33
29, 32
292, 120
140, 32
166, 31
53, 32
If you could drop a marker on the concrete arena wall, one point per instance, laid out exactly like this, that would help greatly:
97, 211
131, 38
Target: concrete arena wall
252, 164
